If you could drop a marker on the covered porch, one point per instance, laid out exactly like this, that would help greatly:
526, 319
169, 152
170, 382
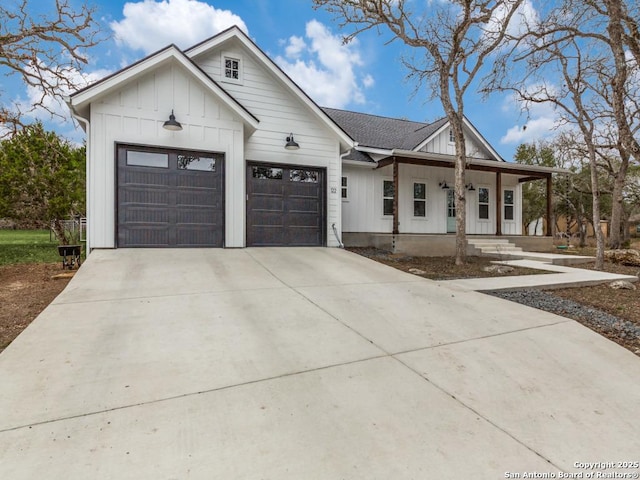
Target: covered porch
523, 173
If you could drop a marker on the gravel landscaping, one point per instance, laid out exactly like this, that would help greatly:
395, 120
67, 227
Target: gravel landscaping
602, 322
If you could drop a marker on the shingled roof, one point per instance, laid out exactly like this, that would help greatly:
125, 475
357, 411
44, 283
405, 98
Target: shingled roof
383, 132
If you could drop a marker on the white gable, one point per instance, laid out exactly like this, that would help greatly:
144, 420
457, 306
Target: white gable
476, 146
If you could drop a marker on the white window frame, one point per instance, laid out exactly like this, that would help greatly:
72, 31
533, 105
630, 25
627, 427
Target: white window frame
344, 188
452, 139
414, 199
505, 205
234, 57
390, 215
487, 203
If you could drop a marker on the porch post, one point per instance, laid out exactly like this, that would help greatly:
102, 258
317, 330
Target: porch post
498, 203
549, 231
396, 197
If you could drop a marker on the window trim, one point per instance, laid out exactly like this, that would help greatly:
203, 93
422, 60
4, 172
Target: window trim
425, 199
487, 203
344, 188
235, 57
452, 139
505, 205
389, 215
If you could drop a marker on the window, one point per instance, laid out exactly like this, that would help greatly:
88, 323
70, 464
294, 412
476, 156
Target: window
387, 197
147, 159
231, 68
267, 173
483, 203
344, 188
307, 176
419, 199
452, 139
202, 164
508, 205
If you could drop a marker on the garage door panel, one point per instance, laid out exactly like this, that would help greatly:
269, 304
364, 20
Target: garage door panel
196, 236
269, 236
141, 176
304, 236
197, 198
168, 206
145, 236
285, 206
144, 214
198, 216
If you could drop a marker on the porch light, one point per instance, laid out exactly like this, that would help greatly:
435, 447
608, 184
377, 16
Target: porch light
172, 124
469, 186
291, 143
443, 185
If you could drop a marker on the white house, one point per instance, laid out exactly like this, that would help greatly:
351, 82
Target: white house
215, 146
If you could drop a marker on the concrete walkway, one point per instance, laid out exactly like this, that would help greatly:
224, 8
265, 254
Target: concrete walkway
563, 277
304, 364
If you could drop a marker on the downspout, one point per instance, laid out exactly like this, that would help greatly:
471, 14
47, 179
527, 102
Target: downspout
333, 226
87, 125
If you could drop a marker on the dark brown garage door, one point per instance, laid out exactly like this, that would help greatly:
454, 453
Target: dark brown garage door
285, 205
170, 198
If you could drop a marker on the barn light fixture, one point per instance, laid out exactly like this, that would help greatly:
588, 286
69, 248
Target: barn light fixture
469, 186
172, 124
443, 185
291, 143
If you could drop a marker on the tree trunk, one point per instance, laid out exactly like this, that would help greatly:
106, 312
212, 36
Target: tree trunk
617, 204
595, 188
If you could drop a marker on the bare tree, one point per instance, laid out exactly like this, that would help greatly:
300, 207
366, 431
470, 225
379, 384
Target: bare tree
454, 40
574, 59
45, 50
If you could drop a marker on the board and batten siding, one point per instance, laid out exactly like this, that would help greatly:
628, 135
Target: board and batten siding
280, 113
362, 210
135, 114
441, 144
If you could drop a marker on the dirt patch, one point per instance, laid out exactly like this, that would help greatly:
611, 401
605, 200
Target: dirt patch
440, 268
25, 290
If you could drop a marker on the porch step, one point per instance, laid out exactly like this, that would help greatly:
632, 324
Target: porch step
494, 247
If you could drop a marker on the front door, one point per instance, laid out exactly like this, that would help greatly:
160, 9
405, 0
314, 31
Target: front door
451, 211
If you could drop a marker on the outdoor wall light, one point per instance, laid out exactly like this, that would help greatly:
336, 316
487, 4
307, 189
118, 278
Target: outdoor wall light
291, 143
443, 185
469, 186
172, 124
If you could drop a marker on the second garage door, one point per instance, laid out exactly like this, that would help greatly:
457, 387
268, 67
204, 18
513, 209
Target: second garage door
285, 205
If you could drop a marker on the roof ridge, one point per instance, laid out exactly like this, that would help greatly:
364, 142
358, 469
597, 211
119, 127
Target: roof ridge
423, 124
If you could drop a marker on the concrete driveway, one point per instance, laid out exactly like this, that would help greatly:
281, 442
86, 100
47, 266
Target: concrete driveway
295, 363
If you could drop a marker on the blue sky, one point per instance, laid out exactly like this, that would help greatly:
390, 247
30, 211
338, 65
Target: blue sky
364, 76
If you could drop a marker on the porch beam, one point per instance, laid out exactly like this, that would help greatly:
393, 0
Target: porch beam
396, 197
548, 231
498, 204
481, 168
530, 179
386, 162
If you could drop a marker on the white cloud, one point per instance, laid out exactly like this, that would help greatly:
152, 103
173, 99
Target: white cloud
295, 47
324, 67
150, 25
542, 122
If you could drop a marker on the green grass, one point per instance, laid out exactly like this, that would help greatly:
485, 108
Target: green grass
27, 246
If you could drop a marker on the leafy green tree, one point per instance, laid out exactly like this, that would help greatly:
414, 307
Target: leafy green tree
534, 193
42, 178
